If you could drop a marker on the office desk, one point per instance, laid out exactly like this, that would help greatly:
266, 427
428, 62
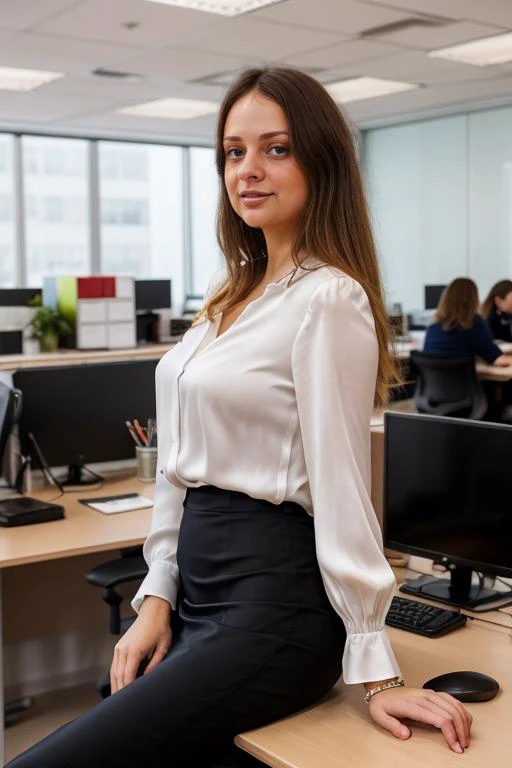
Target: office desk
79, 356
338, 733
82, 531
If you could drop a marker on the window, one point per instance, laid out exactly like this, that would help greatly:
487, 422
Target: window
56, 187
7, 213
141, 211
204, 192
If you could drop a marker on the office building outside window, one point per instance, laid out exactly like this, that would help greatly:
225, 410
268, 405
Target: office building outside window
56, 198
204, 189
141, 210
7, 213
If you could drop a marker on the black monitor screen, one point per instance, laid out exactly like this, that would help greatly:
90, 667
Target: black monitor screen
77, 413
18, 297
445, 496
152, 294
432, 295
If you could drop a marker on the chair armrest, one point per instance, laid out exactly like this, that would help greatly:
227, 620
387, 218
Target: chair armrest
118, 571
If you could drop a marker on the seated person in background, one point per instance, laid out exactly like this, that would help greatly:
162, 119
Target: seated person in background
497, 310
458, 329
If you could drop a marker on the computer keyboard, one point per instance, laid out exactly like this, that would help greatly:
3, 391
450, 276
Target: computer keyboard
422, 618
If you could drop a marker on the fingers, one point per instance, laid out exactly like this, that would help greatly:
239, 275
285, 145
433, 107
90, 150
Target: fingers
461, 717
124, 667
391, 724
159, 653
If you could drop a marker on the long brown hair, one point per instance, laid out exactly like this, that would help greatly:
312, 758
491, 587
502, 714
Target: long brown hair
458, 304
335, 226
500, 289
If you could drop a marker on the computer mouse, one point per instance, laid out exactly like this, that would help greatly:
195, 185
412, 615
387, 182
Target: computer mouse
465, 686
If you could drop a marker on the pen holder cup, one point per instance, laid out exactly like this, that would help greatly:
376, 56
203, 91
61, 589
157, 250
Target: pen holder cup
146, 463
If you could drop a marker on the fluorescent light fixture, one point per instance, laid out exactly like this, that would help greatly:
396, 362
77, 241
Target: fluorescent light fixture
481, 53
222, 7
360, 88
13, 79
172, 109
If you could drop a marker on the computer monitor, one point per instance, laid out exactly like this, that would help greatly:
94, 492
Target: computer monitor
446, 498
18, 297
78, 413
152, 294
432, 295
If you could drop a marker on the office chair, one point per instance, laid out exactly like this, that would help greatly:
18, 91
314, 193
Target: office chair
131, 566
448, 386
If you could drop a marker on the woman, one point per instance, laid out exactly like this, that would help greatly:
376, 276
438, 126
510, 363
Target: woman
497, 310
458, 329
263, 414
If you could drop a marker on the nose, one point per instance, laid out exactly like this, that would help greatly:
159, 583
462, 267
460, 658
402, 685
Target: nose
250, 168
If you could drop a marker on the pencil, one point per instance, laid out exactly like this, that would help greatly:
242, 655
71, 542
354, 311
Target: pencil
133, 433
140, 432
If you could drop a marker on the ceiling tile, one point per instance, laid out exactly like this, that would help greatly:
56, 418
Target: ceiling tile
344, 16
246, 37
498, 12
349, 52
105, 21
202, 128
56, 53
178, 63
23, 14
425, 37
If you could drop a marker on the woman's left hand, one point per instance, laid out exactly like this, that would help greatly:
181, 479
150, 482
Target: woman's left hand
441, 710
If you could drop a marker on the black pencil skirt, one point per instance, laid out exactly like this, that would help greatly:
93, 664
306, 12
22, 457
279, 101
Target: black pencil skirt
254, 639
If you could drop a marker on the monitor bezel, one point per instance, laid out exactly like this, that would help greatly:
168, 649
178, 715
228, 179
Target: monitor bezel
487, 568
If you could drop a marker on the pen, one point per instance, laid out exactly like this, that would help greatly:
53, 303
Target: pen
140, 432
133, 433
151, 431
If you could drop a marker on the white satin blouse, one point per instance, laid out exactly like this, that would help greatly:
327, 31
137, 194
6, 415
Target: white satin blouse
279, 407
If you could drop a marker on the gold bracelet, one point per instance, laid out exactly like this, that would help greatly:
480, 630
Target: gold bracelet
393, 684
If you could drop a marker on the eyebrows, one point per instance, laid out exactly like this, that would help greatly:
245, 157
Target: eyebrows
269, 135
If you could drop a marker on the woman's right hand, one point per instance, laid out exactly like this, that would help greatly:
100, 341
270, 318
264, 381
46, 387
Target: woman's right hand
149, 635
503, 361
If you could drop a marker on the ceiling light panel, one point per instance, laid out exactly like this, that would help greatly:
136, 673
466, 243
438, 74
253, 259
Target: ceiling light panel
360, 88
222, 7
481, 53
172, 109
13, 79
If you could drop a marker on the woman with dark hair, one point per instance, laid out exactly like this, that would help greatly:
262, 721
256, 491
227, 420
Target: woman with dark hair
458, 329
497, 310
266, 573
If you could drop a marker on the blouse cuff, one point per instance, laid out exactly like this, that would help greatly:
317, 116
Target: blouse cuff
161, 581
369, 657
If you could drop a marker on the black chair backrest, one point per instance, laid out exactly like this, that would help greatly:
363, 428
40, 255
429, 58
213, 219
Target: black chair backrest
448, 386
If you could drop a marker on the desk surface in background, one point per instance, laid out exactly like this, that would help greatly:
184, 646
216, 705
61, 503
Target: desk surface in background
78, 356
83, 530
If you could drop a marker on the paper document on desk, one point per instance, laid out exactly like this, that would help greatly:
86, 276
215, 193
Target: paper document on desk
109, 505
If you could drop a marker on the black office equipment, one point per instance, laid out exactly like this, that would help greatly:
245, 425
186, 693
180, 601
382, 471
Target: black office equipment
10, 404
432, 295
11, 342
445, 497
152, 294
27, 511
448, 386
423, 619
18, 297
78, 413
465, 686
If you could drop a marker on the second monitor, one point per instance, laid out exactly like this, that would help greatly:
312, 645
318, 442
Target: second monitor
77, 413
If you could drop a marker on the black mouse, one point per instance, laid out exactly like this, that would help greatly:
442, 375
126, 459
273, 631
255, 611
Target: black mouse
465, 686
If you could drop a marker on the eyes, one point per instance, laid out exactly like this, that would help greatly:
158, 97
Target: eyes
276, 150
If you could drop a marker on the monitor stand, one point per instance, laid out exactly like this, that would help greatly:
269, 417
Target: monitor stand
80, 478
457, 590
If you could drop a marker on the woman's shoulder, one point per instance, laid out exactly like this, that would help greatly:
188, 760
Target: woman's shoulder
327, 277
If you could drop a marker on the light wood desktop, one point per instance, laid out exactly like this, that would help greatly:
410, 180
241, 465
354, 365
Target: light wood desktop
78, 356
338, 732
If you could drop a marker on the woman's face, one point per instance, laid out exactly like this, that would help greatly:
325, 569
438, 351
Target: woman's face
264, 182
505, 304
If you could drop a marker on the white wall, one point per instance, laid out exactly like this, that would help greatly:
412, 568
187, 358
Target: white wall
440, 195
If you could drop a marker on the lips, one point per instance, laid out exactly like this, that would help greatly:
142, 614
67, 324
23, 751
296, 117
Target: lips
249, 195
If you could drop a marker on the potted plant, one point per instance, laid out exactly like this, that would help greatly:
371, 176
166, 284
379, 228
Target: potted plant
48, 325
